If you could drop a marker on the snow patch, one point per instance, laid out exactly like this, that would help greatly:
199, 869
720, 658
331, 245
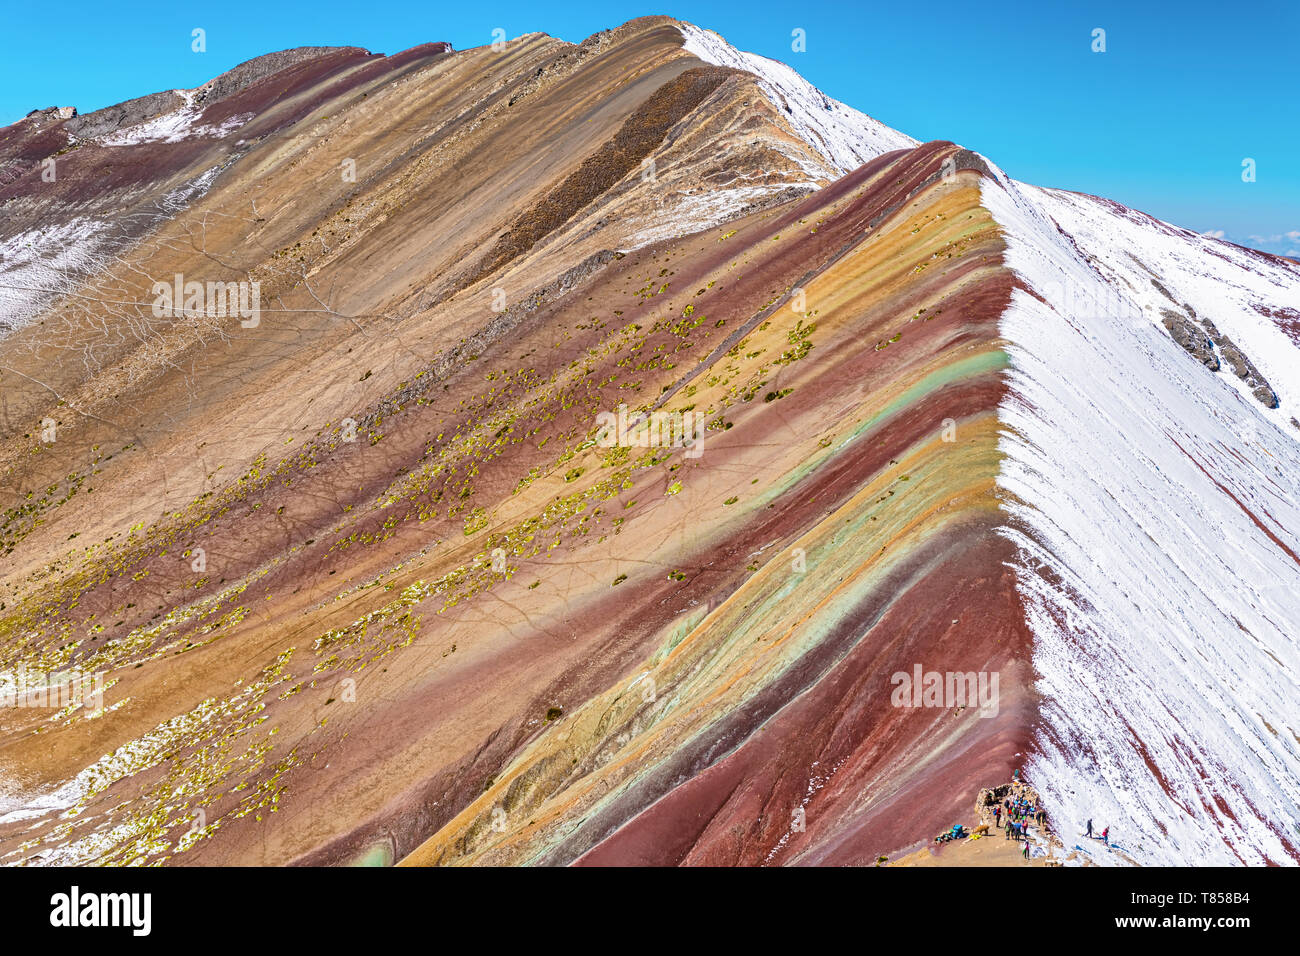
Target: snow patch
174, 126
40, 264
695, 212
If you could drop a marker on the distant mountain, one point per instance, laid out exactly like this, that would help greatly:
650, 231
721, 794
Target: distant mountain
622, 453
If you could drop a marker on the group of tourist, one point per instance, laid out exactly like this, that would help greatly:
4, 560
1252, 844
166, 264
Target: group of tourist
1015, 815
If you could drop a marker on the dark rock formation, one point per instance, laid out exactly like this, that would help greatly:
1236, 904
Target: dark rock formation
1206, 343
1194, 341
1241, 366
112, 118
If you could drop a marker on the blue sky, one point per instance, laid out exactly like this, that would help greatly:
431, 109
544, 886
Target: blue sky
1161, 121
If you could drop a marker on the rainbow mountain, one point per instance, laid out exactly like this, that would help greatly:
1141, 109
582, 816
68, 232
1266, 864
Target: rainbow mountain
309, 481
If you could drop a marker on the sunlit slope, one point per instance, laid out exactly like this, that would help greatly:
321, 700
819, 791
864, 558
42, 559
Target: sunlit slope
847, 540
371, 561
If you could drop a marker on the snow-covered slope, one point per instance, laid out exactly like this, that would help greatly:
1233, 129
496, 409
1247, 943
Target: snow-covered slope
1156, 509
1159, 267
843, 136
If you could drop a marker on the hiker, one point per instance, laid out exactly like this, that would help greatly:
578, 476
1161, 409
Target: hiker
1026, 849
1105, 836
1090, 829
997, 816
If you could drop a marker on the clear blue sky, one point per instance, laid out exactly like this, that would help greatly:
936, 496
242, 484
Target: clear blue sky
1161, 121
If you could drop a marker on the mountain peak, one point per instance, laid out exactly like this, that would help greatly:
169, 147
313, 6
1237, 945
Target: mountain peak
624, 452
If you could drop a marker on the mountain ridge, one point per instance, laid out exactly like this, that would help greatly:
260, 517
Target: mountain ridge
437, 622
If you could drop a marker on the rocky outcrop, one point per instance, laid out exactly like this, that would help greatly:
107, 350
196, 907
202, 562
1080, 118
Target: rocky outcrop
1241, 366
51, 114
1192, 338
112, 118
144, 108
1203, 341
